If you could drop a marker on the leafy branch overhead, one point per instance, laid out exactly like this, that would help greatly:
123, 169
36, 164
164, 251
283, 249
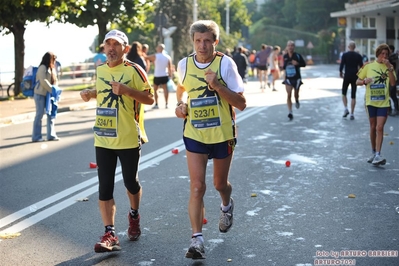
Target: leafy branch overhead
129, 15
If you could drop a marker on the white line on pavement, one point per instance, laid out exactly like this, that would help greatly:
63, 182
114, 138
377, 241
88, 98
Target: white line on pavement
90, 187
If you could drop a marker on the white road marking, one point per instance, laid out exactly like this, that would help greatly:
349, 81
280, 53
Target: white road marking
91, 187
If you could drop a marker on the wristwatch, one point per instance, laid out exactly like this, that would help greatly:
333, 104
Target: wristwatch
179, 103
390, 69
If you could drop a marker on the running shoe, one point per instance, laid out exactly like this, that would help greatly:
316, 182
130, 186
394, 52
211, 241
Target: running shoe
297, 105
290, 116
196, 250
352, 117
108, 243
133, 232
371, 159
378, 160
346, 113
226, 218
274, 89
155, 107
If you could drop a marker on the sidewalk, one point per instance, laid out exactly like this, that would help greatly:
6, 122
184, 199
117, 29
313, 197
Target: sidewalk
13, 111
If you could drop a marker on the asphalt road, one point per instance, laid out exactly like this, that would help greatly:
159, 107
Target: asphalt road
301, 215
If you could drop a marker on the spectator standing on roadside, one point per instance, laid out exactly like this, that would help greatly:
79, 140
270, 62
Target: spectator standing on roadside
46, 77
214, 89
58, 68
293, 81
351, 62
147, 62
241, 61
378, 76
121, 90
273, 65
261, 64
99, 59
228, 52
162, 72
135, 55
251, 60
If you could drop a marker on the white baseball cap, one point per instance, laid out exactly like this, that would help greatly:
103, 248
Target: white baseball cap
117, 35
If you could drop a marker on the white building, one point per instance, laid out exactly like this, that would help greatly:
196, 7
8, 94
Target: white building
369, 23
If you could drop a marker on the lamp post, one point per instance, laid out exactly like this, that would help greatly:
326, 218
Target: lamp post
227, 17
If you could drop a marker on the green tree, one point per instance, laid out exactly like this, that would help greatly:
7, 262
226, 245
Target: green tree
238, 15
13, 20
239, 20
252, 8
178, 13
314, 15
127, 15
274, 12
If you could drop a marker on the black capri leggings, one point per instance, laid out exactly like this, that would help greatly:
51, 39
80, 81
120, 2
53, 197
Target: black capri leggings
345, 85
106, 163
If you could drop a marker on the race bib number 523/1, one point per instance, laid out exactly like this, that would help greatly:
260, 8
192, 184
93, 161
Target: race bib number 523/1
204, 112
106, 122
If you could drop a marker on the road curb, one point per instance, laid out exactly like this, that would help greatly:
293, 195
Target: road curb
31, 115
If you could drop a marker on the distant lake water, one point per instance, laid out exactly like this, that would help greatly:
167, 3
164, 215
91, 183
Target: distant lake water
70, 43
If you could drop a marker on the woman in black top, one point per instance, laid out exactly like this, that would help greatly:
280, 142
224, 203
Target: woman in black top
135, 55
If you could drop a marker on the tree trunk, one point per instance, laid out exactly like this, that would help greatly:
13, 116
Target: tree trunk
102, 30
18, 30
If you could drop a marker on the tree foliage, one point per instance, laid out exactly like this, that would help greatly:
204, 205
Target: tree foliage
179, 13
305, 15
301, 17
127, 15
13, 20
274, 21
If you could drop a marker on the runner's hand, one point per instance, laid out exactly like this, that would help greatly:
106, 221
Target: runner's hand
181, 111
85, 95
117, 88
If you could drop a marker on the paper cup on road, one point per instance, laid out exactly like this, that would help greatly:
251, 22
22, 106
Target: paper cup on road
93, 165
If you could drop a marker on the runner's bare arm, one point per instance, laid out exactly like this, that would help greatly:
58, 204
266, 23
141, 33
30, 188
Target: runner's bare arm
235, 99
87, 94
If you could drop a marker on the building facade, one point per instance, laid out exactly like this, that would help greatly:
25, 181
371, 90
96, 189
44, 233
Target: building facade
369, 23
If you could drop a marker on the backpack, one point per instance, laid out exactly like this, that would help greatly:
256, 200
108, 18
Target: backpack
29, 82
252, 58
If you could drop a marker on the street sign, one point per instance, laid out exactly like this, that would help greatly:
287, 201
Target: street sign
299, 43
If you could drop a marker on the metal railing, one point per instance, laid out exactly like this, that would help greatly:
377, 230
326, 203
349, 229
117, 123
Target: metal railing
79, 70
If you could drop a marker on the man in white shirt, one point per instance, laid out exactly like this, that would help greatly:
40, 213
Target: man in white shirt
162, 72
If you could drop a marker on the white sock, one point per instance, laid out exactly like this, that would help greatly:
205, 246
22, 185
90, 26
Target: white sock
225, 208
199, 236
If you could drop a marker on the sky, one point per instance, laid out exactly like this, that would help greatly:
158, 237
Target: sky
69, 42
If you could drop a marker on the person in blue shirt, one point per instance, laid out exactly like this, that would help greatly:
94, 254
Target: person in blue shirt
99, 59
58, 69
